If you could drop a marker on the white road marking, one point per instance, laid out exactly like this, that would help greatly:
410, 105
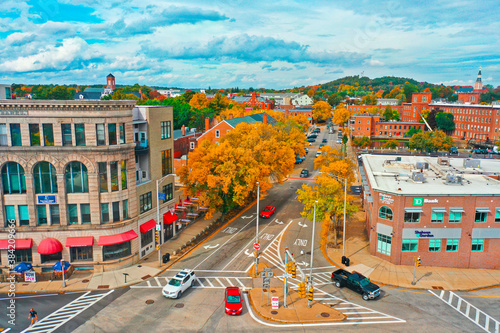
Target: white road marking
300, 242
230, 230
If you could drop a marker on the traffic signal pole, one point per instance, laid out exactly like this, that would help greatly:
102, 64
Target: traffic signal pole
416, 263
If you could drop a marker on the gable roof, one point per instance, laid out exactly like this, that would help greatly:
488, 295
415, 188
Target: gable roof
92, 90
96, 96
251, 119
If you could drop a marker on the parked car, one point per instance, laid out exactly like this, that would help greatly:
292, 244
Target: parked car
179, 283
312, 136
453, 151
324, 140
339, 141
267, 212
318, 153
317, 130
479, 151
311, 140
304, 173
356, 282
298, 160
232, 298
321, 146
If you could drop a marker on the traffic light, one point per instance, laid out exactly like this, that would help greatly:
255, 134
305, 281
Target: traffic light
157, 237
302, 289
418, 262
289, 267
310, 294
294, 269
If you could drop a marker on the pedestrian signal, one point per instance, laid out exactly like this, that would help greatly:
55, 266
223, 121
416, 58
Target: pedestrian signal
418, 261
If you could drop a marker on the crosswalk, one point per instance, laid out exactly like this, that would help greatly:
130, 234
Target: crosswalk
217, 282
66, 313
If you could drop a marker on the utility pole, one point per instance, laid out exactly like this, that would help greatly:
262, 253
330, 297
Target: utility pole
312, 254
257, 233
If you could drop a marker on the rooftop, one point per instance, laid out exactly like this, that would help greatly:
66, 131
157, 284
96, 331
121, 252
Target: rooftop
401, 175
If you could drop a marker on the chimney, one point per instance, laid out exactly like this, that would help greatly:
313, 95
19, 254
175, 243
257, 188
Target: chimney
183, 130
207, 124
264, 118
230, 116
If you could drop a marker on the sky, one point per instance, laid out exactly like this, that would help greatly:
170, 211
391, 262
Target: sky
233, 43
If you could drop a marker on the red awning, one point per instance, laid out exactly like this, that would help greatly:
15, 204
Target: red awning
117, 239
20, 243
145, 227
79, 241
49, 246
169, 218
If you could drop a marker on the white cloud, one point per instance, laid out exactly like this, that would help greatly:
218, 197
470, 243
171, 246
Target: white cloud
374, 62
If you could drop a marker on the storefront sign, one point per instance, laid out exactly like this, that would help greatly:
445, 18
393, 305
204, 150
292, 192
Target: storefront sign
413, 233
275, 303
418, 201
431, 201
421, 233
30, 276
47, 199
386, 199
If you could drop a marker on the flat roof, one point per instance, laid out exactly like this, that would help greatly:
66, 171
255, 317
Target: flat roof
386, 174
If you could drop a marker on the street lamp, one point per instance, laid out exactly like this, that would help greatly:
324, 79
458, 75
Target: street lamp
257, 232
312, 254
158, 181
62, 268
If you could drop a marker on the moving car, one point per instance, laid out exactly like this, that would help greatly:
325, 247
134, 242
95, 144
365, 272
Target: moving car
324, 140
232, 298
317, 130
339, 141
179, 283
304, 173
267, 212
356, 282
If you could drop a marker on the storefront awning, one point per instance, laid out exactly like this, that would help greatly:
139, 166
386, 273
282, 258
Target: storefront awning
145, 227
49, 246
20, 243
79, 241
439, 210
169, 218
483, 210
413, 210
457, 210
117, 239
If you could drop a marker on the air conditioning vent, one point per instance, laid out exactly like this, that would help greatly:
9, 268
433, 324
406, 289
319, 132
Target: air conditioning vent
470, 163
453, 179
422, 165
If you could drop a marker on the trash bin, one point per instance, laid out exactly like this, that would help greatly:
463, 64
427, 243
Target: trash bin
343, 260
347, 262
166, 257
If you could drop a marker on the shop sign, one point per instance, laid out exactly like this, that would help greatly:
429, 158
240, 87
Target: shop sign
422, 233
418, 201
30, 276
386, 199
275, 302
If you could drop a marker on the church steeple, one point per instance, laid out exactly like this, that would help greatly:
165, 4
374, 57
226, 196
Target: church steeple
479, 84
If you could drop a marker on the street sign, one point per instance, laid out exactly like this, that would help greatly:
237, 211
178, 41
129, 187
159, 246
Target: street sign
262, 274
275, 302
30, 276
158, 227
256, 246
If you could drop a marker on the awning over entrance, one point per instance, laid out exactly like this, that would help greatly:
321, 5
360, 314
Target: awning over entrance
145, 227
79, 241
169, 218
49, 246
20, 243
117, 239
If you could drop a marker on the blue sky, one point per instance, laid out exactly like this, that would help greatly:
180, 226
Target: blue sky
235, 43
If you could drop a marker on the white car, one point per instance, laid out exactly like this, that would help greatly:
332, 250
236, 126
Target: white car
179, 283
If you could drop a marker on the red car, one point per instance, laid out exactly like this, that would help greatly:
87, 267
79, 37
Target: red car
234, 305
267, 212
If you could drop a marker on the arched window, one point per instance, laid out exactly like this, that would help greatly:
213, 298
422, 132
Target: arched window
44, 175
385, 213
13, 178
76, 178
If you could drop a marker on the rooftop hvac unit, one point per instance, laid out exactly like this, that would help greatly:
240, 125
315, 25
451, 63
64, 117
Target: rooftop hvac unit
443, 161
422, 165
398, 159
452, 179
470, 163
418, 177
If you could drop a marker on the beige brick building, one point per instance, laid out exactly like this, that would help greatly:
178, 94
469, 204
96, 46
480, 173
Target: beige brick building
69, 180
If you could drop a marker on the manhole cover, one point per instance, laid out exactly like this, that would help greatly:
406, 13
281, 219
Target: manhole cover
324, 314
273, 291
139, 266
274, 312
85, 281
104, 286
146, 277
150, 301
179, 305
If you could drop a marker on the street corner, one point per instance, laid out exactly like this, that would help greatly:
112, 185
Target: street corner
297, 310
251, 272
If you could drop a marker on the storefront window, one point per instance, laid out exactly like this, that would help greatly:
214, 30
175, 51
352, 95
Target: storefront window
410, 245
384, 244
81, 253
116, 251
146, 237
51, 257
434, 245
23, 255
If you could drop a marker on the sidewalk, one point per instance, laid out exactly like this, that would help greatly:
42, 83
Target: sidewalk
147, 267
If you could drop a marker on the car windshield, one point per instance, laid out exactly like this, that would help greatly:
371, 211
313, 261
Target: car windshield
268, 209
233, 299
174, 282
364, 282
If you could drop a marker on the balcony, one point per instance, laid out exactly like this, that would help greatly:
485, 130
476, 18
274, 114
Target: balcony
141, 147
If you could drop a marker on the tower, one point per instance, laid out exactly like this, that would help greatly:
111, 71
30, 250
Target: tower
110, 82
478, 85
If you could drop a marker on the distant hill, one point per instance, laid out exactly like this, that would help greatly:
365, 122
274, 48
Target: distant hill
383, 83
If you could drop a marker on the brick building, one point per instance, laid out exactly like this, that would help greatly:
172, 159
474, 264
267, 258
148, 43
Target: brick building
372, 127
412, 111
446, 211
255, 100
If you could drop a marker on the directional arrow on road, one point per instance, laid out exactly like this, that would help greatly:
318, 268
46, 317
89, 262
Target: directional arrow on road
248, 254
246, 217
303, 263
303, 225
210, 247
279, 222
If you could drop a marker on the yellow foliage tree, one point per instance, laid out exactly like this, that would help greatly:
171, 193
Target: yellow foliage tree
341, 115
199, 101
321, 110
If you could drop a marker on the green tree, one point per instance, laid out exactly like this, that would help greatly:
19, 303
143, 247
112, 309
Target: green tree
445, 121
363, 142
431, 141
388, 114
391, 144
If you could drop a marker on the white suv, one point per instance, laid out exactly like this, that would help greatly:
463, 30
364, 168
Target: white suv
179, 283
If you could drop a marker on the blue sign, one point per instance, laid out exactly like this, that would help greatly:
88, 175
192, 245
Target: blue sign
162, 196
421, 233
47, 199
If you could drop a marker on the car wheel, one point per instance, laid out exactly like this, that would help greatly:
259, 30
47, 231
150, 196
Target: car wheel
337, 284
192, 283
179, 294
365, 297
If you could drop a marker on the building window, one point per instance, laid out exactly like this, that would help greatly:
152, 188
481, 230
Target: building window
191, 145
101, 138
455, 215
15, 135
169, 192
45, 179
76, 178
166, 130
116, 211
104, 213
434, 245
122, 133
54, 215
10, 214
3, 135
81, 253
23, 255
24, 215
145, 202
103, 177
384, 244
437, 215
114, 175
72, 214
41, 214
116, 251
217, 133
410, 245
481, 215
477, 245
166, 162
13, 178
146, 237
80, 134
125, 209
385, 213
85, 213
412, 216
67, 139
34, 134
112, 134
48, 135
51, 257
452, 245
124, 174
497, 215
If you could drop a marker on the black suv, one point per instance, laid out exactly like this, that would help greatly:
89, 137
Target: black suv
304, 173
356, 282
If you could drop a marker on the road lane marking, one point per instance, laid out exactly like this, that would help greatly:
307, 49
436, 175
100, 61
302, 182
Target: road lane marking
267, 236
230, 230
300, 242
